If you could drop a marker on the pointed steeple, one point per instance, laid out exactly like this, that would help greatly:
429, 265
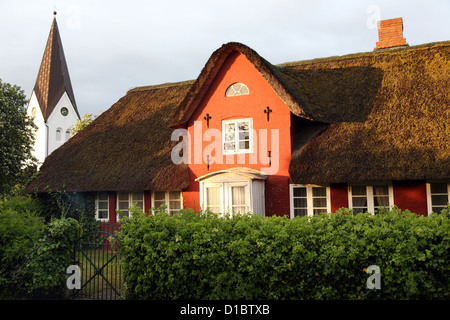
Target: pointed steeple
53, 78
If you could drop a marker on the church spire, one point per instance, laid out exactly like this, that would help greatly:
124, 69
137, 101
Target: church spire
53, 78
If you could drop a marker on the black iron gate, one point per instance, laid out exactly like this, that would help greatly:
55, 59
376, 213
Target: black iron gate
96, 254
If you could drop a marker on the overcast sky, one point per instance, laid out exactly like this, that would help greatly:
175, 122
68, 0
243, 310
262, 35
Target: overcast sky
112, 46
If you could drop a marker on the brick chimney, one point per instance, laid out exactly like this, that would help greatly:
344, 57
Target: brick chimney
390, 34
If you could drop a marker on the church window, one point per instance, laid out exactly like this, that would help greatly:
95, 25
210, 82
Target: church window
237, 89
67, 134
58, 134
64, 111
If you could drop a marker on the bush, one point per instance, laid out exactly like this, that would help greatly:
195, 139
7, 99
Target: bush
19, 230
33, 255
49, 259
200, 256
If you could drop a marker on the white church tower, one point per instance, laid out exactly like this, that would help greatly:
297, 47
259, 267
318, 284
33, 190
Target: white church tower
52, 104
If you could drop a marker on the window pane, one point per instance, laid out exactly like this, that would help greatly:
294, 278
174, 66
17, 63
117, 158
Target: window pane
229, 146
438, 187
300, 212
244, 89
380, 190
230, 132
123, 196
139, 204
123, 205
102, 214
158, 203
244, 125
159, 195
212, 196
244, 135
240, 209
316, 211
102, 205
300, 203
437, 209
359, 210
137, 196
174, 205
299, 192
238, 195
358, 190
103, 196
174, 195
381, 201
319, 202
359, 201
319, 192
244, 145
439, 200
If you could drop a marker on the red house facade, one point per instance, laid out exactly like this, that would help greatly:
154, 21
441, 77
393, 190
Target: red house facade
363, 131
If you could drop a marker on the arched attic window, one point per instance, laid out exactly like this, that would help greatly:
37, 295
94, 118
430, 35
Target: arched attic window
236, 89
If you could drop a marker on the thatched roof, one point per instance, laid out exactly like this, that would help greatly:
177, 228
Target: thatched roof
389, 113
381, 115
212, 67
126, 148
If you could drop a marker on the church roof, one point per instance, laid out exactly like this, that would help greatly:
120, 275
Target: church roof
53, 77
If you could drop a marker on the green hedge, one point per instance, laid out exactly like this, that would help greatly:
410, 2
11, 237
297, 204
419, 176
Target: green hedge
200, 256
33, 255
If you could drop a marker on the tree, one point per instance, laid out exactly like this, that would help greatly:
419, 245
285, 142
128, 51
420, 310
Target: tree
82, 123
16, 138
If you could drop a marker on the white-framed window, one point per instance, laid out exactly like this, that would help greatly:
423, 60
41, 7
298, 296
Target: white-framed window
67, 134
226, 197
237, 89
438, 196
102, 206
237, 136
172, 199
125, 201
370, 198
308, 200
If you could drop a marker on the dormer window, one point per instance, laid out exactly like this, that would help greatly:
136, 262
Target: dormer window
236, 89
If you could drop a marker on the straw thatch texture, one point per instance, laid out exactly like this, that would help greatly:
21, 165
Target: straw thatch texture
126, 148
403, 129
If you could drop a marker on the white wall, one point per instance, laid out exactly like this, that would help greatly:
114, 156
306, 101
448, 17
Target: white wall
57, 120
45, 135
40, 134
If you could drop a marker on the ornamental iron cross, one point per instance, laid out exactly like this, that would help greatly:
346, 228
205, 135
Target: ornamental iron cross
268, 111
207, 119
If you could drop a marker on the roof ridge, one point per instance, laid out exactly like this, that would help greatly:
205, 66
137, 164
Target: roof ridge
161, 86
362, 54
